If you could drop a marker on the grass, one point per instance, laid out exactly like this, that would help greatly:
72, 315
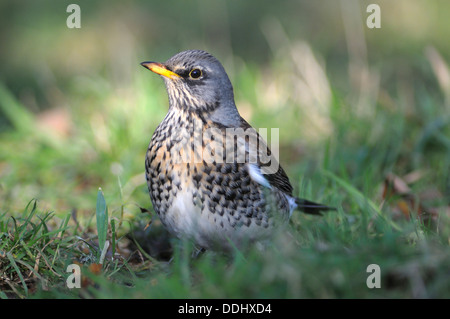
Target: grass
313, 259
323, 257
381, 158
35, 252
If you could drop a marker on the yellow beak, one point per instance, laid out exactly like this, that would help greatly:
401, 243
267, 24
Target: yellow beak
160, 69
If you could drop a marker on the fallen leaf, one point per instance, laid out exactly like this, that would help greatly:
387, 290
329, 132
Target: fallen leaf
95, 268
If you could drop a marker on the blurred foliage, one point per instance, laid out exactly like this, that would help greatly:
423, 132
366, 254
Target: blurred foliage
40, 52
370, 107
77, 109
75, 102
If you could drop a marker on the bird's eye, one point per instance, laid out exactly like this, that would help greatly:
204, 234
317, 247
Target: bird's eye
195, 73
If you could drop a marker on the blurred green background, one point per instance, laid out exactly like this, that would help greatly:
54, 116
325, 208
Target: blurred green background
371, 106
77, 110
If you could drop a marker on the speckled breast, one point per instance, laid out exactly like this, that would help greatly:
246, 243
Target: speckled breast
200, 194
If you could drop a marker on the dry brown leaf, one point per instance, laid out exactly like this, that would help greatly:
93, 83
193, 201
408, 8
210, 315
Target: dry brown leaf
414, 176
397, 184
396, 190
95, 268
404, 207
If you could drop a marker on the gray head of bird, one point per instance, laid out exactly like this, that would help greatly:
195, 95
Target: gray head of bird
197, 82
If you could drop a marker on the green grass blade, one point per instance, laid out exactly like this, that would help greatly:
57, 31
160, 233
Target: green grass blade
143, 252
102, 220
113, 237
16, 113
360, 198
19, 273
23, 227
48, 234
62, 229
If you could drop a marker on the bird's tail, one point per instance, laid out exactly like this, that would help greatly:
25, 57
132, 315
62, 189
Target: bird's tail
310, 207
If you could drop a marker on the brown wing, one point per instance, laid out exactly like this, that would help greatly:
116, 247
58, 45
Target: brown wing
277, 178
261, 156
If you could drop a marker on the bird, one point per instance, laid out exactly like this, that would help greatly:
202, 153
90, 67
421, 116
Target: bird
212, 178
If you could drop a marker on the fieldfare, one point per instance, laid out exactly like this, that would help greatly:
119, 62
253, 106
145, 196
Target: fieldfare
212, 178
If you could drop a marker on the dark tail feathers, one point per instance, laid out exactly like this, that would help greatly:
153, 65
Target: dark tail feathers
310, 207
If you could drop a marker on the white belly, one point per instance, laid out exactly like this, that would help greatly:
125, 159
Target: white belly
186, 220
